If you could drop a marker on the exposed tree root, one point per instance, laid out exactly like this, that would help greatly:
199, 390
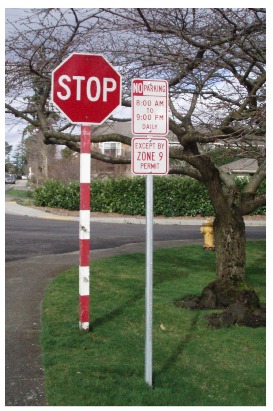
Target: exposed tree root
242, 305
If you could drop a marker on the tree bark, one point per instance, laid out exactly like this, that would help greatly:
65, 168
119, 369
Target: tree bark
229, 233
229, 229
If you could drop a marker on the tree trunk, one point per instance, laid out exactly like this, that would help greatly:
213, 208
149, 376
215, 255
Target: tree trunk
229, 233
229, 291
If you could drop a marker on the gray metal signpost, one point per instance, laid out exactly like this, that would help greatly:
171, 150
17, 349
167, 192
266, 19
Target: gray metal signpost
149, 156
149, 282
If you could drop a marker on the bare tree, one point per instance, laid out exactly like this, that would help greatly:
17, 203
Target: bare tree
39, 156
214, 62
66, 168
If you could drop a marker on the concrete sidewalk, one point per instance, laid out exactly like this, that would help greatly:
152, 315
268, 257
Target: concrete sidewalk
11, 207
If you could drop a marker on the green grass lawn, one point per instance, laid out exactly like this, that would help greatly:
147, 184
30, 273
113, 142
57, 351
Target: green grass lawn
193, 365
13, 192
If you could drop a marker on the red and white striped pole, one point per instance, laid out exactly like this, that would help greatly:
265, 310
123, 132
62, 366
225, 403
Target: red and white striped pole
84, 234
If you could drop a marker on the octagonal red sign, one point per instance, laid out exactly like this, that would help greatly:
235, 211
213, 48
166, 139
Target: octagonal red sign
86, 88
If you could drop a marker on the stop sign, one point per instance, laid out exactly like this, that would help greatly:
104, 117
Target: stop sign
86, 88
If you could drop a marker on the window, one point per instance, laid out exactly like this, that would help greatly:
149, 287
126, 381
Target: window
112, 149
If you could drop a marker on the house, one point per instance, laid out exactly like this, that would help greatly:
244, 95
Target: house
241, 168
113, 149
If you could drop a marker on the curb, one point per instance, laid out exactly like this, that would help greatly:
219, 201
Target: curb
12, 208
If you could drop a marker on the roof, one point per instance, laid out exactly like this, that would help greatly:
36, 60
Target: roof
244, 165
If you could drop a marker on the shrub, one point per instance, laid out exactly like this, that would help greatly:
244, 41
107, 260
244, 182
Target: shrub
55, 194
173, 196
180, 196
50, 194
72, 196
121, 195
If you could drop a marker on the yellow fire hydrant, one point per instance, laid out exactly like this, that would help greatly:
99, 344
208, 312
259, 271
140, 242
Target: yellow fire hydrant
207, 231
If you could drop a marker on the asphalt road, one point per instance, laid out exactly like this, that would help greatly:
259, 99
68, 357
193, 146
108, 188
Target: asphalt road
28, 237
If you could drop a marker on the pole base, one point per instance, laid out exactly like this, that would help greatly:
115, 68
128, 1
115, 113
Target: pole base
84, 326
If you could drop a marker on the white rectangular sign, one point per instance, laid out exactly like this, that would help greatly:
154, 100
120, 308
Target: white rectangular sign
150, 107
150, 155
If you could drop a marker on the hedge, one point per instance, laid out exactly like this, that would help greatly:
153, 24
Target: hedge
173, 196
55, 194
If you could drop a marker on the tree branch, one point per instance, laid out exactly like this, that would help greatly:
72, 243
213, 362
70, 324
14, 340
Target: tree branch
107, 159
256, 179
251, 202
188, 171
20, 114
112, 137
